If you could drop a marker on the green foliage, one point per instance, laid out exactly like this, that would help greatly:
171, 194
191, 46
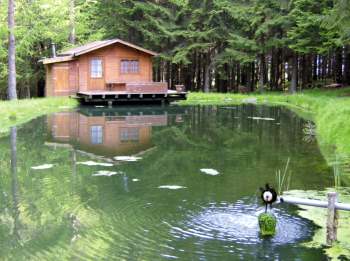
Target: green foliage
319, 217
38, 24
307, 33
267, 224
221, 33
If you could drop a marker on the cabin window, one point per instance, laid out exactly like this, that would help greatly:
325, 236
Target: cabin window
96, 68
96, 134
130, 66
129, 134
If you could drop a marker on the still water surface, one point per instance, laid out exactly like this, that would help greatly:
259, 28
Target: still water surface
126, 184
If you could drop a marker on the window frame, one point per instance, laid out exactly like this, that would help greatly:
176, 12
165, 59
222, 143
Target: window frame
132, 66
100, 75
129, 135
96, 134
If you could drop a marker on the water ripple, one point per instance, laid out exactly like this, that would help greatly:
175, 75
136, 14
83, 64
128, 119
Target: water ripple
239, 223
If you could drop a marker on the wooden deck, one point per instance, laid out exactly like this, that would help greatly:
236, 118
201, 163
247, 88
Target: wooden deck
115, 97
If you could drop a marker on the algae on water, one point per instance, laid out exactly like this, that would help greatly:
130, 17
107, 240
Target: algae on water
267, 224
319, 217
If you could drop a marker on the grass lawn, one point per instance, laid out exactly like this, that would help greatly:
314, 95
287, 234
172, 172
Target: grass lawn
20, 111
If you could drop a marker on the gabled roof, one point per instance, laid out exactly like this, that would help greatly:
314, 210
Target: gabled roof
80, 50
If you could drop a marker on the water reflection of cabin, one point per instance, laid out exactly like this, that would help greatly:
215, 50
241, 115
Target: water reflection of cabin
110, 71
105, 135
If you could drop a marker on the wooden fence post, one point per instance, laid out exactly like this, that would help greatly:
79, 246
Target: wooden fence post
332, 218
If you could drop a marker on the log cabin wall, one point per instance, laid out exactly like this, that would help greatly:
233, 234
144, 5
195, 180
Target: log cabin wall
73, 77
48, 81
111, 57
61, 79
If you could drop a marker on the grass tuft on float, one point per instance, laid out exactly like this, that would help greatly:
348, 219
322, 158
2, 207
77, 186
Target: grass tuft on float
267, 224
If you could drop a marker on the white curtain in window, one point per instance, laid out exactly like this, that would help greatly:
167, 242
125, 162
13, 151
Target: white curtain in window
96, 68
129, 66
96, 133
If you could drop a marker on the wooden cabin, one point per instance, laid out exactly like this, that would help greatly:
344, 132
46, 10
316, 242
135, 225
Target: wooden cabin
109, 70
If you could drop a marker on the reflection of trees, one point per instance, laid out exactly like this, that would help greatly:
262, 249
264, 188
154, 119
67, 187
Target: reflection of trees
15, 189
61, 211
66, 203
228, 140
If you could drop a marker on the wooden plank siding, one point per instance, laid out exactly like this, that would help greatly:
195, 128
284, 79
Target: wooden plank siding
48, 81
74, 77
111, 57
61, 79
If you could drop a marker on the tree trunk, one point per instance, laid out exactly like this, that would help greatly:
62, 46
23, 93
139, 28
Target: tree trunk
338, 65
261, 73
315, 68
346, 75
12, 92
225, 81
15, 190
199, 72
238, 73
207, 78
252, 78
294, 81
207, 71
72, 35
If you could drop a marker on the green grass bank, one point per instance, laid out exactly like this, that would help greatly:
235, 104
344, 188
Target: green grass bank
20, 111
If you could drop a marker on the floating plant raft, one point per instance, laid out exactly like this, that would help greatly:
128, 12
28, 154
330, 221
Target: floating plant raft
267, 224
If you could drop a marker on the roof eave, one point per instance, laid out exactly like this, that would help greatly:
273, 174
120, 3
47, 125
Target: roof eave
58, 59
114, 42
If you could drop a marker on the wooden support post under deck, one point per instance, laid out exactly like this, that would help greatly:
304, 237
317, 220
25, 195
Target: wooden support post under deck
332, 218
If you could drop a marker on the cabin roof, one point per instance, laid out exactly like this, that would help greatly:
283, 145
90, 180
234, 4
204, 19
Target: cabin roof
89, 47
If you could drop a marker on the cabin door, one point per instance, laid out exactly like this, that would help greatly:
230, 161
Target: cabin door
96, 73
61, 79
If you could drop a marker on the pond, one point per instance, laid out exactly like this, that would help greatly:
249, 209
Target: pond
155, 183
